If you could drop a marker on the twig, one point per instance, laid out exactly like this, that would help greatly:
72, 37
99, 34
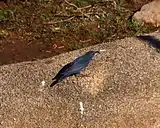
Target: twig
79, 9
85, 7
71, 4
76, 16
55, 22
84, 41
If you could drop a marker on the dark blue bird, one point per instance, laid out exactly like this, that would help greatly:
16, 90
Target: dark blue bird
74, 67
152, 41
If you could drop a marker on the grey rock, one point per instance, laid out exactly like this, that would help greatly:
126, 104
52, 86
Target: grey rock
121, 90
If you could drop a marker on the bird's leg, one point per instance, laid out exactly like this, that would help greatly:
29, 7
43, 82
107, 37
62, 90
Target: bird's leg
80, 75
75, 74
83, 75
75, 87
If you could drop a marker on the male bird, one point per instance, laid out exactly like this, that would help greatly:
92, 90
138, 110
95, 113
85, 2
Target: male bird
75, 67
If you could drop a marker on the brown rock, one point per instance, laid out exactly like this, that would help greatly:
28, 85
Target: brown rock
149, 13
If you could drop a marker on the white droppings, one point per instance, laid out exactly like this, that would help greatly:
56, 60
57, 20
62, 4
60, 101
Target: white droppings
81, 108
102, 50
57, 28
97, 18
43, 83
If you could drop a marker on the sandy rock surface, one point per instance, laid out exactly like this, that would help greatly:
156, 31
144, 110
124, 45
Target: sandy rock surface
121, 89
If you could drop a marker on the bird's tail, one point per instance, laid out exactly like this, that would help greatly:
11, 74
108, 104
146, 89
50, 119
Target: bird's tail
54, 82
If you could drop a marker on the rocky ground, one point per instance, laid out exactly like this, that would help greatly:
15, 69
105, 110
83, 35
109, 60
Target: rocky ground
121, 90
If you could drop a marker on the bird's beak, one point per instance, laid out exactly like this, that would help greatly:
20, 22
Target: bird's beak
97, 52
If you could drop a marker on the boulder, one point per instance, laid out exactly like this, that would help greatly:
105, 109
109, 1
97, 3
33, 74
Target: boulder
149, 14
120, 90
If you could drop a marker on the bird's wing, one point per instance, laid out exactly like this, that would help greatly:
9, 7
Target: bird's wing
74, 67
78, 65
63, 70
79, 59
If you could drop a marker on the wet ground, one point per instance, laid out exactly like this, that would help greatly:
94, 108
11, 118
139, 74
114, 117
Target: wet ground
36, 30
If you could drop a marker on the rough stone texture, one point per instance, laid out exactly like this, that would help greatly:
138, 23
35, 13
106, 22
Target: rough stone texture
149, 13
121, 90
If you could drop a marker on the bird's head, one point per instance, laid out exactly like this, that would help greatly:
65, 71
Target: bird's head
96, 52
92, 53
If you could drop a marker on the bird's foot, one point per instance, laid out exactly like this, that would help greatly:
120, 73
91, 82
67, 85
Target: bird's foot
83, 75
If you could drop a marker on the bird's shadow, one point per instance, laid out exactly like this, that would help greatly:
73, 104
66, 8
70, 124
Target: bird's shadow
70, 89
151, 40
67, 86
